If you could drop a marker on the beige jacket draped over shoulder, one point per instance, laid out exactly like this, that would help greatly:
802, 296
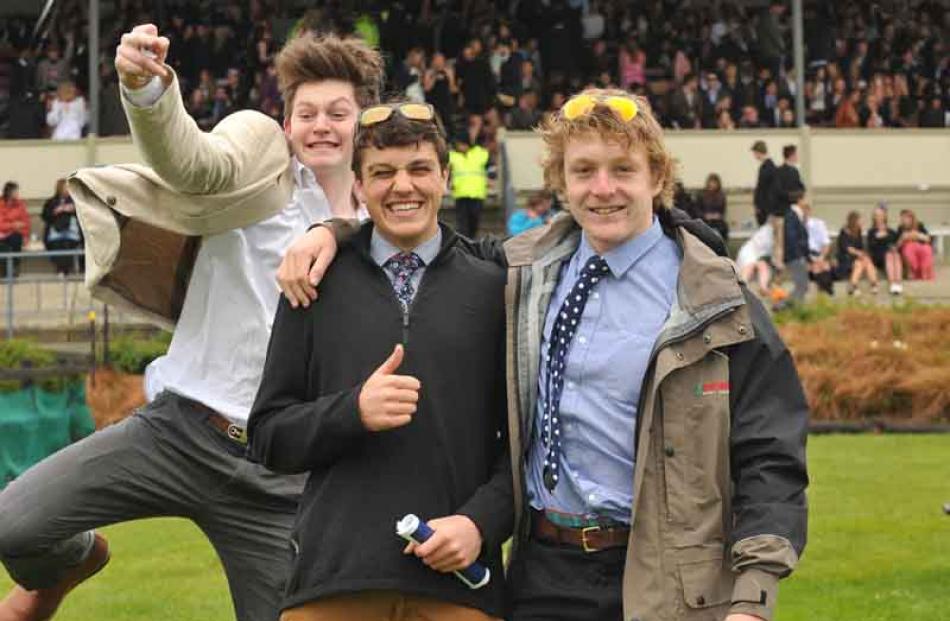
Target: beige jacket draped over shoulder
143, 224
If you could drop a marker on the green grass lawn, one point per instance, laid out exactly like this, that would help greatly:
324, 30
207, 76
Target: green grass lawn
879, 546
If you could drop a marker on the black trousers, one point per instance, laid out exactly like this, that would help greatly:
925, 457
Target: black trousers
65, 265
11, 243
549, 582
468, 211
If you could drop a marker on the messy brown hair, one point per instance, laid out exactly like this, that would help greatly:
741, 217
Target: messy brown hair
643, 129
398, 131
312, 58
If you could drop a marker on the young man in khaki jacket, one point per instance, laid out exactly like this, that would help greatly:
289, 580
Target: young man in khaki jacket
656, 420
192, 241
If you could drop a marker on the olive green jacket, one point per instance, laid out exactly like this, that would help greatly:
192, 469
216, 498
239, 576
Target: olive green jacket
719, 512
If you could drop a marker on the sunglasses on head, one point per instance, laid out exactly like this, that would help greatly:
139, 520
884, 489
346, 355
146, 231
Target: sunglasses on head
411, 111
582, 105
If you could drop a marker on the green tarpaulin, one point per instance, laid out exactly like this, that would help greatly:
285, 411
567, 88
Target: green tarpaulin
35, 423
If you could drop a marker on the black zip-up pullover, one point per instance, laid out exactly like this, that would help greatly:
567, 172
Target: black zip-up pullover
452, 457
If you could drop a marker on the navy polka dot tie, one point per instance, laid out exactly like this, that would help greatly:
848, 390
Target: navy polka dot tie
402, 266
565, 325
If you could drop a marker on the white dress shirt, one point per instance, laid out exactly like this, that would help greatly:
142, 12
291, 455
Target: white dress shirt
217, 351
818, 236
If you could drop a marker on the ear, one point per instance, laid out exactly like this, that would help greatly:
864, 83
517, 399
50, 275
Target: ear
287, 125
658, 186
358, 190
445, 179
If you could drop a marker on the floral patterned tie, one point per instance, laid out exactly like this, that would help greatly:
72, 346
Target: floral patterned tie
402, 266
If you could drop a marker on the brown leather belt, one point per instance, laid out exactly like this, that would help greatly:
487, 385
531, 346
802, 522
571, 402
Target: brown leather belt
219, 422
590, 539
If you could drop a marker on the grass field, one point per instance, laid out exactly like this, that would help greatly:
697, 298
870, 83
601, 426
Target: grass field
879, 546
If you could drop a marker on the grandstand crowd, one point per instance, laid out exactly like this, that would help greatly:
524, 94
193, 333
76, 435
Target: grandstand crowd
483, 64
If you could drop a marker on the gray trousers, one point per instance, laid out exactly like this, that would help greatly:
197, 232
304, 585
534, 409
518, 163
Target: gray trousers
798, 270
165, 460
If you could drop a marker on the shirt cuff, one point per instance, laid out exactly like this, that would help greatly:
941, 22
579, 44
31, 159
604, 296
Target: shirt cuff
755, 593
146, 96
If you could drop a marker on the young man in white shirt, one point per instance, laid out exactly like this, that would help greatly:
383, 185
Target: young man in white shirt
217, 210
819, 246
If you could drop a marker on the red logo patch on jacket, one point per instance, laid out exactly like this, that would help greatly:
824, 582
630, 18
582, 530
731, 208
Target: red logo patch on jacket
712, 388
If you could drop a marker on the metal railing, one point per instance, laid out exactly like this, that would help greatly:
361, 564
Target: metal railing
13, 282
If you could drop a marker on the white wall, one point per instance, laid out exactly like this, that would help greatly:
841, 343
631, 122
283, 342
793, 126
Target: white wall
843, 159
829, 158
37, 164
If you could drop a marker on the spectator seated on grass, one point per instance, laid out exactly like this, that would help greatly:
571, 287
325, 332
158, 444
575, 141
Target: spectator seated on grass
819, 248
753, 258
914, 243
14, 224
854, 262
536, 213
882, 246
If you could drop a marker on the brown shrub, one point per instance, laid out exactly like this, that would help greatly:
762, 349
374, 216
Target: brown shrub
875, 364
113, 396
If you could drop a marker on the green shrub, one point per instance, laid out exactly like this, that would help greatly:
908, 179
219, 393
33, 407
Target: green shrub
821, 308
132, 355
24, 354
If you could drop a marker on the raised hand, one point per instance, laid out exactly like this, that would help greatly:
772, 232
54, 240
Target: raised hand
140, 56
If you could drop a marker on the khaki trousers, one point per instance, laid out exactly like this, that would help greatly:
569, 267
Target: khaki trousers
778, 241
382, 606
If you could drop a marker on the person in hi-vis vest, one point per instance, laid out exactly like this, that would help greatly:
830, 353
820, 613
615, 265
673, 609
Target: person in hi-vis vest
468, 162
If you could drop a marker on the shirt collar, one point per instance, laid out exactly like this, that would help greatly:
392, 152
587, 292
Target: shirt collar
303, 176
306, 180
381, 250
624, 256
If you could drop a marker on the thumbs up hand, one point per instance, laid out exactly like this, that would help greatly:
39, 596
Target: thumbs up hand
388, 400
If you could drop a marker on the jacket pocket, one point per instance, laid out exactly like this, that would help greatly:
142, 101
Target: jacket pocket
707, 586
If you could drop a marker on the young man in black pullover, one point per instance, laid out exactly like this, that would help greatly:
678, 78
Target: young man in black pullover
424, 431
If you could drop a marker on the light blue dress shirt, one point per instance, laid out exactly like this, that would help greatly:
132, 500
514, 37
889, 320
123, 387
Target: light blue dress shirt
605, 368
381, 251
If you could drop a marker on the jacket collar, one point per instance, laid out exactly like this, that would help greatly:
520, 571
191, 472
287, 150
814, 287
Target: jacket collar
707, 284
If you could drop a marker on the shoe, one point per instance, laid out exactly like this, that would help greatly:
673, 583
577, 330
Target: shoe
897, 288
41, 604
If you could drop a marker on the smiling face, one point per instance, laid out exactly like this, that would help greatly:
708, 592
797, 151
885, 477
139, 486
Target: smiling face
403, 187
321, 123
609, 189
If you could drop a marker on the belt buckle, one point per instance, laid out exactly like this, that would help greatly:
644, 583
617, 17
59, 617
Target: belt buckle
237, 434
584, 544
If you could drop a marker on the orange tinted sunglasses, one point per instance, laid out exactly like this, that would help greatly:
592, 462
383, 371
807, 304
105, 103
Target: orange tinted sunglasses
411, 111
581, 105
